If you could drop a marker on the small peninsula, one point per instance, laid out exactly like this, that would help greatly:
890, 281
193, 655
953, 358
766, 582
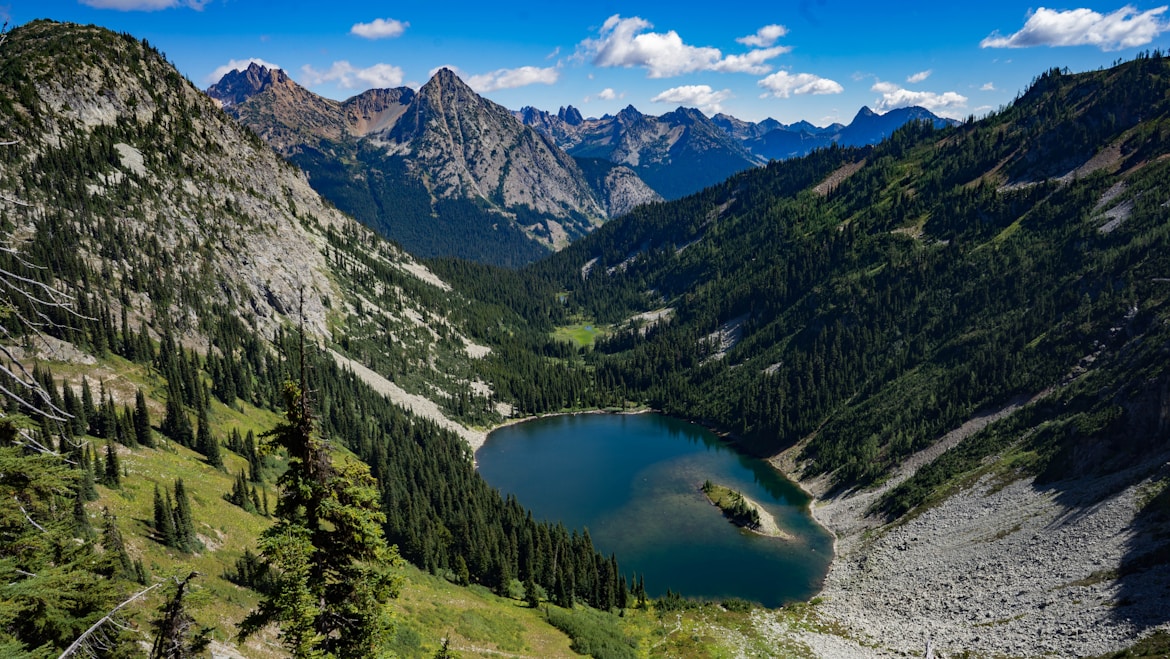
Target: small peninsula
742, 511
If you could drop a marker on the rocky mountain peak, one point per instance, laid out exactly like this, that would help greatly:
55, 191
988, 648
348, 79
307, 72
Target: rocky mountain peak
445, 84
237, 86
688, 115
864, 113
571, 115
467, 147
629, 115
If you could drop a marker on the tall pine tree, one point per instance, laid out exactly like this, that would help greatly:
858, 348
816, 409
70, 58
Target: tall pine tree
334, 568
205, 443
142, 432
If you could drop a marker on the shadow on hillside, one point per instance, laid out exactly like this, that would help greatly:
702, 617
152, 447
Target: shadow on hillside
1142, 595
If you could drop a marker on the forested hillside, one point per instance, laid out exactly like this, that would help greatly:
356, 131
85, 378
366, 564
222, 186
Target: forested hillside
160, 256
862, 302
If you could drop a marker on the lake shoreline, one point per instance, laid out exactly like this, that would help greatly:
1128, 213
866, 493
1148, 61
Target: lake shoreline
515, 421
590, 444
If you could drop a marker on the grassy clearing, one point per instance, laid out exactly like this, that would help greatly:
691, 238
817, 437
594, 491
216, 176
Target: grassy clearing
479, 623
583, 335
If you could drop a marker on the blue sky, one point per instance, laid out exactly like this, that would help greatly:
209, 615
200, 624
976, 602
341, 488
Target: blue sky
819, 60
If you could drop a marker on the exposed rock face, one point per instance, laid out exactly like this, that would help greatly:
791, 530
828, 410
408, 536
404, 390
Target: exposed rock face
623, 191
279, 110
201, 180
467, 146
376, 110
238, 86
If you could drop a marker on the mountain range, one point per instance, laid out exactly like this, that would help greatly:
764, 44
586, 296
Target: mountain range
442, 170
684, 151
422, 167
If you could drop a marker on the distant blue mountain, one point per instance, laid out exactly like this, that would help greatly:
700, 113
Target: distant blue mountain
800, 138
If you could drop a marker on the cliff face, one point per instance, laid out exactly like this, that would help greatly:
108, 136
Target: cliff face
376, 110
466, 146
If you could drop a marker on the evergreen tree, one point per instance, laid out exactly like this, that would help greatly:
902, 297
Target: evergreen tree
81, 526
205, 443
109, 416
77, 424
531, 597
503, 579
87, 486
88, 409
184, 523
175, 424
142, 432
115, 548
52, 586
445, 651
98, 464
255, 459
164, 519
462, 574
335, 570
113, 468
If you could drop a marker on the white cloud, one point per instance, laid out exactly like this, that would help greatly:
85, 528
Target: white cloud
1124, 28
764, 37
626, 42
919, 77
946, 104
700, 96
987, 87
237, 65
379, 28
783, 84
145, 5
347, 76
607, 94
512, 78
751, 62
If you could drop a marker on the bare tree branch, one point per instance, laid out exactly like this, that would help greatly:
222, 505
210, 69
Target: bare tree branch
26, 516
106, 618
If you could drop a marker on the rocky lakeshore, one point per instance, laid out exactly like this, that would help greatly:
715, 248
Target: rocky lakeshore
998, 569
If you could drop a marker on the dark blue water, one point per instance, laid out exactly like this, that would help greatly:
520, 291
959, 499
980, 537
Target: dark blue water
633, 481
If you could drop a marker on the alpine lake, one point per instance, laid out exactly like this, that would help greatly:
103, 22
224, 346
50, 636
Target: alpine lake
633, 480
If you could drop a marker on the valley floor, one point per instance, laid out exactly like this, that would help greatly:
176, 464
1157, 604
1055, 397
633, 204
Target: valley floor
998, 569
